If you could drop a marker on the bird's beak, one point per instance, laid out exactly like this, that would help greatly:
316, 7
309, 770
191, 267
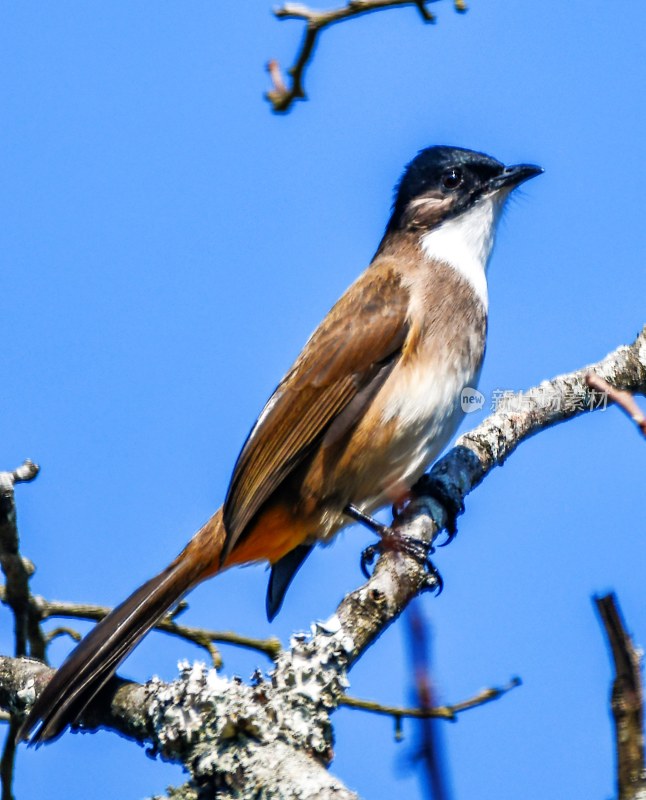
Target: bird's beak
511, 177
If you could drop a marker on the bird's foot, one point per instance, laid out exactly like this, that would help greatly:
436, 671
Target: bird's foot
393, 541
447, 496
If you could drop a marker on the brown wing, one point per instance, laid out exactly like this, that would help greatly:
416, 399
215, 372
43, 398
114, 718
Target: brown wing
361, 336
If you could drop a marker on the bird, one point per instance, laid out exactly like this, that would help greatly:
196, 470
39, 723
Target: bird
372, 399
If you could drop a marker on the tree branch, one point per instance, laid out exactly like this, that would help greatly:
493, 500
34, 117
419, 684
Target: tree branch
16, 569
437, 712
627, 701
282, 96
231, 736
623, 399
28, 636
522, 415
234, 739
203, 637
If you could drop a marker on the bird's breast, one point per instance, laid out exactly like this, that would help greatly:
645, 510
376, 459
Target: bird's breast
421, 405
410, 421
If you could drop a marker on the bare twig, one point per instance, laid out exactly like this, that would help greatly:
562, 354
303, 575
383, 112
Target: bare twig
281, 95
627, 701
430, 753
28, 638
203, 637
62, 630
623, 399
16, 569
437, 712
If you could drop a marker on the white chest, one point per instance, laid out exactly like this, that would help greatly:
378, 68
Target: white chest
425, 401
465, 243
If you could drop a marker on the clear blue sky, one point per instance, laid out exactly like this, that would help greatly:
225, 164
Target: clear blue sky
167, 245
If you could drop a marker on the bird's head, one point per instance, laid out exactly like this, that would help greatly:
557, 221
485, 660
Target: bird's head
442, 182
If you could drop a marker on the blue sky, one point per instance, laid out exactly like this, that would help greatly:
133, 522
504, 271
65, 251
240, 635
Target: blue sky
168, 244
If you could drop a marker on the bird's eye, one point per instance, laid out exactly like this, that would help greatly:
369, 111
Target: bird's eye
452, 179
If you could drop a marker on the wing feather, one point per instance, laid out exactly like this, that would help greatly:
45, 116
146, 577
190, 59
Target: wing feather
364, 331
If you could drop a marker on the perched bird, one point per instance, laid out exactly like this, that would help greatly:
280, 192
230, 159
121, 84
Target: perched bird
373, 397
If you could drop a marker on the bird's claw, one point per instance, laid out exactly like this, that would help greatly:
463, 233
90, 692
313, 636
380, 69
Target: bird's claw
395, 542
390, 539
434, 580
367, 558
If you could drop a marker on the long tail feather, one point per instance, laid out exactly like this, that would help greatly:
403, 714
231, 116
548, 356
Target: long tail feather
91, 665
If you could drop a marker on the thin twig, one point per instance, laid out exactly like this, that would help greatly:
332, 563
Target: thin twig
28, 638
16, 569
627, 701
62, 631
623, 399
282, 96
203, 637
439, 712
430, 753
8, 761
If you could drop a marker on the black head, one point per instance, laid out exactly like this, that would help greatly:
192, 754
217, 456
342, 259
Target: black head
442, 182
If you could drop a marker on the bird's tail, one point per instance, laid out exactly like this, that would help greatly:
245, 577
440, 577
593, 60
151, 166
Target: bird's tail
92, 663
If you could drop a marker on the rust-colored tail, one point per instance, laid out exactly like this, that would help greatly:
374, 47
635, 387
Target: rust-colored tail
91, 665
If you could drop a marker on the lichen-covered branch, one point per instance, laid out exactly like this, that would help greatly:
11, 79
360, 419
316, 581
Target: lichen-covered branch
627, 701
282, 96
234, 737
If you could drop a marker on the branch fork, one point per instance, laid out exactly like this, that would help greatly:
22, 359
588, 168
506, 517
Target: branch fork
285, 92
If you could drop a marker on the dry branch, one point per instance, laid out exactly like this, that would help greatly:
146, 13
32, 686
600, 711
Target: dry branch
28, 637
283, 96
44, 609
627, 701
622, 398
16, 569
428, 753
203, 637
449, 712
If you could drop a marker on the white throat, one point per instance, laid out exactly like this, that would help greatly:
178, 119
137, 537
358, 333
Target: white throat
465, 243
